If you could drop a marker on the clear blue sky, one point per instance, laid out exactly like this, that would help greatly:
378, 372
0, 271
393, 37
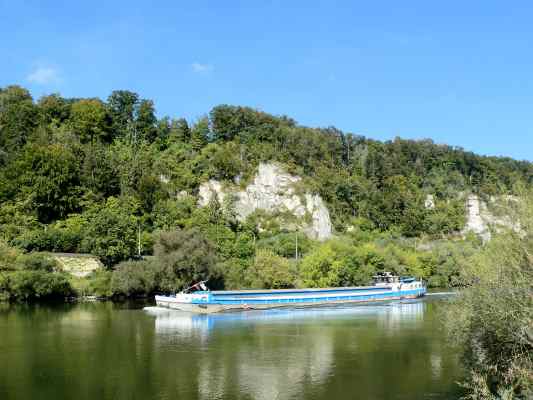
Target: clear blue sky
459, 72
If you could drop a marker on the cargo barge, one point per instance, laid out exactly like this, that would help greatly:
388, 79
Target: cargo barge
385, 287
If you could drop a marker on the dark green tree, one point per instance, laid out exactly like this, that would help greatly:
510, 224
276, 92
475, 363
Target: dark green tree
146, 121
90, 120
200, 134
179, 130
47, 178
122, 105
54, 109
185, 257
18, 118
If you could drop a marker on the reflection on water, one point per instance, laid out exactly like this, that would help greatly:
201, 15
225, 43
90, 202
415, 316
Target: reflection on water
105, 351
390, 316
294, 348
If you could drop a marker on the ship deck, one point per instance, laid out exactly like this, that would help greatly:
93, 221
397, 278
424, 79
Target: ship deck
296, 291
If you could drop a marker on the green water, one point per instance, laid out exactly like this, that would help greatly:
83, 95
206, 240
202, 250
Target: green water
108, 351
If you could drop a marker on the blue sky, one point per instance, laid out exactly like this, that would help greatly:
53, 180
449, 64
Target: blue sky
458, 72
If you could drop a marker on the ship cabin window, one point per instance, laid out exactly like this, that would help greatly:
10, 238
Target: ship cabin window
385, 278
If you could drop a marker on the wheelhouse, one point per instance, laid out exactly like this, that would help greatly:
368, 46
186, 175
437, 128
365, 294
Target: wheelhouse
385, 278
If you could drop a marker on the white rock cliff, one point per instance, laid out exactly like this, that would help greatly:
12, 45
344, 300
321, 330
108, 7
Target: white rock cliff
273, 191
482, 222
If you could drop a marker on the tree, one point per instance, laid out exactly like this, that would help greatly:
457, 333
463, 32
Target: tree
179, 130
99, 173
230, 121
90, 120
145, 122
111, 230
200, 134
48, 177
491, 321
184, 257
18, 118
122, 104
133, 278
220, 161
339, 263
54, 109
270, 271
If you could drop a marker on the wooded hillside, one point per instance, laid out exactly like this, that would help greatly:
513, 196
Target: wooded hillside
86, 175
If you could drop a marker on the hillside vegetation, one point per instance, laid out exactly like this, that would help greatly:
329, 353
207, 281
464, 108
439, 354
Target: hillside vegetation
93, 176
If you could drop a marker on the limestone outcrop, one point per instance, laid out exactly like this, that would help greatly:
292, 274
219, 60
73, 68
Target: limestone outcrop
481, 221
276, 192
80, 265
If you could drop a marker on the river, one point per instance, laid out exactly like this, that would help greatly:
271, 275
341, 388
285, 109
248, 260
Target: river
115, 351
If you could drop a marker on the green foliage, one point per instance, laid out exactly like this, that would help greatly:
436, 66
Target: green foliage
170, 214
220, 161
47, 179
122, 105
339, 263
90, 120
52, 239
270, 271
100, 174
447, 260
284, 244
12, 259
179, 131
110, 230
37, 262
83, 175
146, 121
55, 110
131, 278
200, 134
184, 257
18, 118
8, 257
32, 285
491, 320
15, 220
229, 122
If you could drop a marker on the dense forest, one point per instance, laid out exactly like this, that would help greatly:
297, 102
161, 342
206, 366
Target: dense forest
101, 177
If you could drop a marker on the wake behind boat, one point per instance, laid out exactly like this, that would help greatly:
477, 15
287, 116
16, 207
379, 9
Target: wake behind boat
384, 288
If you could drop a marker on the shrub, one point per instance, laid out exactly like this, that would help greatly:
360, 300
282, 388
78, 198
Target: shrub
37, 262
133, 278
32, 285
183, 257
340, 263
284, 244
8, 257
491, 321
51, 239
270, 271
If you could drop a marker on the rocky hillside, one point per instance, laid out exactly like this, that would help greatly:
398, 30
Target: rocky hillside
277, 194
91, 176
481, 221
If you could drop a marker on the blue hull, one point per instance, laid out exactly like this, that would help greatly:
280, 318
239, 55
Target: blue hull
217, 301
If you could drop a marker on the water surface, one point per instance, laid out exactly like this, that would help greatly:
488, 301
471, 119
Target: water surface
110, 351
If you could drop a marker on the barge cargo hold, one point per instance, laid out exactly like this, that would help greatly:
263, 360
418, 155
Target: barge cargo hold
386, 287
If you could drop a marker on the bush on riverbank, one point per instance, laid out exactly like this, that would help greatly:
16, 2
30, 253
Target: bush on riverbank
181, 257
492, 320
32, 285
133, 278
30, 276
